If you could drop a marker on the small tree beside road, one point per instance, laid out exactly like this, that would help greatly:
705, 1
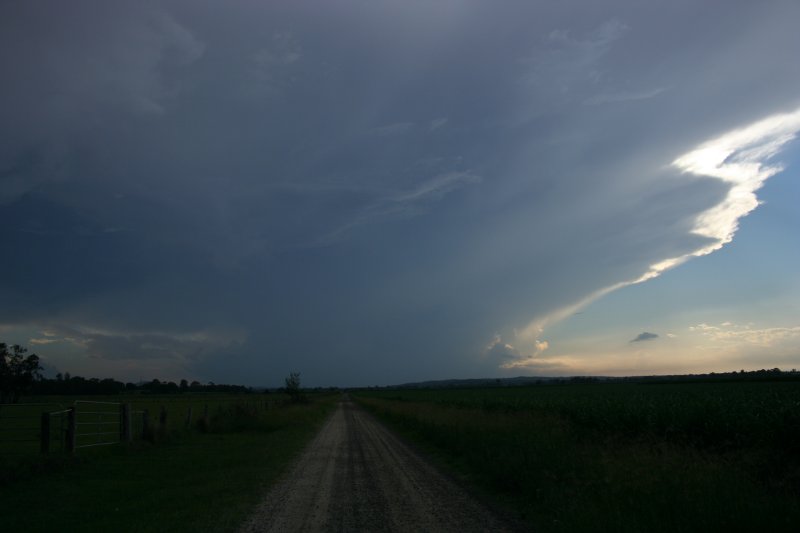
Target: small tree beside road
292, 388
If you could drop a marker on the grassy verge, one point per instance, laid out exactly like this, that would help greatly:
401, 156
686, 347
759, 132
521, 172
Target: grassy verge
558, 475
189, 482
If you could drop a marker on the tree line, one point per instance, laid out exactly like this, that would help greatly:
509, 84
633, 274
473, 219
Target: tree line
21, 373
67, 384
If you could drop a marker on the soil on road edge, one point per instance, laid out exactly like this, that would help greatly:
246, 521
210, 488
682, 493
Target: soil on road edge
357, 476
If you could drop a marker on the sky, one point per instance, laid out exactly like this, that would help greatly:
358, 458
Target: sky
379, 192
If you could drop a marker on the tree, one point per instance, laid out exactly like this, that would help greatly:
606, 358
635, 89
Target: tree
17, 371
293, 387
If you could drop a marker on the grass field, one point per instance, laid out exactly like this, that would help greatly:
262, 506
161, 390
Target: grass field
98, 416
187, 481
617, 457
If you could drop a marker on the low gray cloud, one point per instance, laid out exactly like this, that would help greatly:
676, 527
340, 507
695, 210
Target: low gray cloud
645, 336
121, 345
624, 96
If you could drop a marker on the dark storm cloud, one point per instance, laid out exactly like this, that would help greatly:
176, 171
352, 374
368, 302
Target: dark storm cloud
645, 336
361, 190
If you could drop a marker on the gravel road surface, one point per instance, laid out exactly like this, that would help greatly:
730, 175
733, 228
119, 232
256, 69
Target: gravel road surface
357, 476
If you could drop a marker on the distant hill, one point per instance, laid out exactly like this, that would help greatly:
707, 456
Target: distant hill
477, 382
774, 374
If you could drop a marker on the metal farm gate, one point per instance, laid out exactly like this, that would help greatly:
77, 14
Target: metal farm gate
97, 423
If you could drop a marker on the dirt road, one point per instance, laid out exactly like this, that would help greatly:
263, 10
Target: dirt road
357, 476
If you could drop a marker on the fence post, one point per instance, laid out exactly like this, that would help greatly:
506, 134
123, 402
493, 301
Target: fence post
145, 424
162, 421
72, 433
125, 422
206, 422
45, 435
189, 418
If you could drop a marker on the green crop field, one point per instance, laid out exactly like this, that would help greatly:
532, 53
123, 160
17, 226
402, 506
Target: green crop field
617, 456
206, 477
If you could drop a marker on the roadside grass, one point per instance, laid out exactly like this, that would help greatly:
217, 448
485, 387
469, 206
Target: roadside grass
557, 474
190, 481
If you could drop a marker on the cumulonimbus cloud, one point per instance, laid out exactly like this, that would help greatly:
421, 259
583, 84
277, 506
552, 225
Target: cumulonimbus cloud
741, 158
275, 167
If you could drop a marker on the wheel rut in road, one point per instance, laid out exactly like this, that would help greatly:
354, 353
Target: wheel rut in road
358, 476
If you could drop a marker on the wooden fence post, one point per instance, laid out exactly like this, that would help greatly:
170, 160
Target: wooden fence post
45, 435
145, 424
72, 434
162, 421
125, 422
205, 422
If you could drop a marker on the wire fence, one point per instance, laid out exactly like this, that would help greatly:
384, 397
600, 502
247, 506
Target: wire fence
55, 427
20, 427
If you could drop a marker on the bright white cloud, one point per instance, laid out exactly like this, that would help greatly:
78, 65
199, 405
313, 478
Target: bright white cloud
43, 341
742, 159
500, 349
748, 333
511, 357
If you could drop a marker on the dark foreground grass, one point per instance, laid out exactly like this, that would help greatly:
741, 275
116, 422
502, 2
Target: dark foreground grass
586, 471
190, 482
